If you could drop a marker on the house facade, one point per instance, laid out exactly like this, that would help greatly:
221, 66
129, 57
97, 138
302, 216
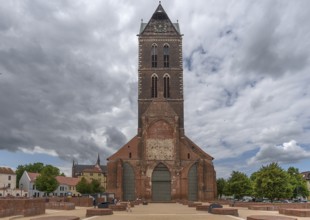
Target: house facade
7, 181
66, 187
161, 163
90, 172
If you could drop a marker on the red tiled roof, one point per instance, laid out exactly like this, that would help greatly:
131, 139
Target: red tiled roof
95, 169
33, 176
70, 181
6, 170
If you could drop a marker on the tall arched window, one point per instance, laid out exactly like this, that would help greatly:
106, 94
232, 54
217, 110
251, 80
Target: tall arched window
166, 86
154, 86
166, 55
154, 55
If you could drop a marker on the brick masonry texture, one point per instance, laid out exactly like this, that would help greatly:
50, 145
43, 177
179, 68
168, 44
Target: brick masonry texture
25, 207
160, 138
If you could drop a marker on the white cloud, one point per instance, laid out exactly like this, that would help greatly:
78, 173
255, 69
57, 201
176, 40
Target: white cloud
69, 75
39, 150
289, 152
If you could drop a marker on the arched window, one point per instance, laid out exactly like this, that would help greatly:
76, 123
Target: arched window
154, 55
128, 182
166, 86
166, 55
154, 86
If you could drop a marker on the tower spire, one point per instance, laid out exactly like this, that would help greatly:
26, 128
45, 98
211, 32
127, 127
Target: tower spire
98, 160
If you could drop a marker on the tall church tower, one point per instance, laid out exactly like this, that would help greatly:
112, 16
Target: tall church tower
160, 163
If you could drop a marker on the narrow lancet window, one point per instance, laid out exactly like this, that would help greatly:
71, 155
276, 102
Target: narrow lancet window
166, 86
154, 55
166, 55
154, 86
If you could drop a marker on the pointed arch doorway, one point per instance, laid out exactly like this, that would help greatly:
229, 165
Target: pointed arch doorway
193, 183
161, 183
128, 183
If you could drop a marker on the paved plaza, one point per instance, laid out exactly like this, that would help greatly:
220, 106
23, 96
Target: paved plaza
155, 211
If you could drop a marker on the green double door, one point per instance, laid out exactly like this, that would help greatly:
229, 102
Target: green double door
161, 184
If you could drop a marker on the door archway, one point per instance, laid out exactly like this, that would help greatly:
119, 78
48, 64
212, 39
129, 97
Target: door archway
193, 183
161, 183
128, 183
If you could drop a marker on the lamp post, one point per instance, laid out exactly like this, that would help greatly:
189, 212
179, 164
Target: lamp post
21, 189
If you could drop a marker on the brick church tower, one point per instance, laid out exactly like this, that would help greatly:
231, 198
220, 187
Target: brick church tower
160, 163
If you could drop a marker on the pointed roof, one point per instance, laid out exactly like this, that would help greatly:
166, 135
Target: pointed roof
160, 13
32, 176
98, 161
158, 16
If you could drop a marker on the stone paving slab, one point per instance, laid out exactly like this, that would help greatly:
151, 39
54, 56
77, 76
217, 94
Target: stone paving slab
158, 211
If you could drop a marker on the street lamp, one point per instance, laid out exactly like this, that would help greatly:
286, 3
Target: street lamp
21, 189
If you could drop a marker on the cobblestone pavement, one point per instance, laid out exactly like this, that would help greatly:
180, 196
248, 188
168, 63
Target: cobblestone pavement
155, 211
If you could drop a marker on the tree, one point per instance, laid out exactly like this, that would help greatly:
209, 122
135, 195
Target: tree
272, 182
221, 183
298, 183
83, 186
96, 186
46, 181
238, 185
35, 168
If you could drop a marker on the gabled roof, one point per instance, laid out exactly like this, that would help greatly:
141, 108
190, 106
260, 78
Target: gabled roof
119, 154
94, 169
79, 168
159, 15
33, 176
6, 170
70, 181
197, 149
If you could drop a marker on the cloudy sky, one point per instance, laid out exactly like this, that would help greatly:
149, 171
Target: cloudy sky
68, 80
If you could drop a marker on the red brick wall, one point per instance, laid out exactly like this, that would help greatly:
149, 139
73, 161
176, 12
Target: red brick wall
25, 207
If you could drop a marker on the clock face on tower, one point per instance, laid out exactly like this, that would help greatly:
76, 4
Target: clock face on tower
160, 27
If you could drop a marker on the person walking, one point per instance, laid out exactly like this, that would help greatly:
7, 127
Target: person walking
128, 207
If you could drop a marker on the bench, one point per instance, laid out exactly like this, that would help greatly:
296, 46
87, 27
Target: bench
225, 211
268, 217
102, 211
295, 212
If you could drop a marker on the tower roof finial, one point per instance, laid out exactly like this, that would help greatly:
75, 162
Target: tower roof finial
160, 2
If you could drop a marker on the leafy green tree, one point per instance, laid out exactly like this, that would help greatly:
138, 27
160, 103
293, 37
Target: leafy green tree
272, 182
96, 186
298, 183
83, 187
46, 181
221, 183
35, 168
238, 185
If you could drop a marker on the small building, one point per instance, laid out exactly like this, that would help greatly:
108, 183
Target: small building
7, 181
67, 186
89, 172
27, 185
